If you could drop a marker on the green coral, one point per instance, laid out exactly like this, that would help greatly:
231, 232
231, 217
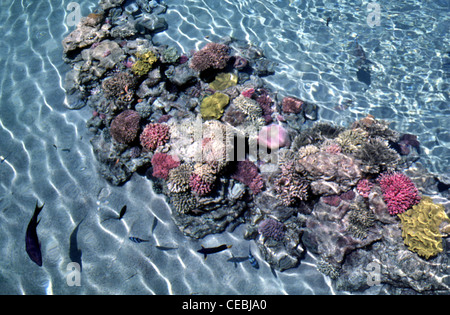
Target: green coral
212, 106
420, 227
361, 218
223, 81
144, 63
251, 109
170, 55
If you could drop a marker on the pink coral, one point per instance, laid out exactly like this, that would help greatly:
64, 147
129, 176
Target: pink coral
248, 93
291, 105
399, 192
333, 148
247, 173
162, 163
290, 186
200, 186
213, 55
273, 137
364, 187
125, 126
154, 135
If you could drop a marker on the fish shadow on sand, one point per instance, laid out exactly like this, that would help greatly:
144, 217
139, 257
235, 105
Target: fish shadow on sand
74, 251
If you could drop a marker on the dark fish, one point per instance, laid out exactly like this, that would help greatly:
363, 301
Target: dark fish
328, 20
65, 150
122, 212
212, 250
165, 247
154, 224
137, 239
74, 251
32, 245
363, 74
252, 259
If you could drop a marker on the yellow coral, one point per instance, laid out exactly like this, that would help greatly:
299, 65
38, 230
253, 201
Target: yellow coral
144, 63
223, 81
212, 107
420, 227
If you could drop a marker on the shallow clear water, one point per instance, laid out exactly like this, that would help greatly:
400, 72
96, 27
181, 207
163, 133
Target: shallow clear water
46, 154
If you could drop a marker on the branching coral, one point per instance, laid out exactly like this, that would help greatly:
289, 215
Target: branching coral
399, 192
120, 87
351, 140
144, 63
291, 186
162, 163
213, 55
125, 126
154, 135
248, 174
376, 156
202, 179
251, 108
420, 227
178, 180
361, 218
271, 228
364, 187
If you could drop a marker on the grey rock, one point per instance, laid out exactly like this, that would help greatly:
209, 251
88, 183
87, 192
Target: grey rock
149, 23
144, 109
84, 36
310, 111
108, 4
124, 30
181, 75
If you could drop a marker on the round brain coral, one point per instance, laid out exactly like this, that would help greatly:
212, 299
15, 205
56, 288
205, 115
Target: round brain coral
399, 192
154, 135
125, 126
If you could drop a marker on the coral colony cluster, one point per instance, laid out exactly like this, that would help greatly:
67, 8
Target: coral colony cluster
226, 150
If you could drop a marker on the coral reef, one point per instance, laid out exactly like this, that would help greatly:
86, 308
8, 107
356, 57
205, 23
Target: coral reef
361, 218
250, 108
399, 192
270, 228
213, 55
162, 163
212, 106
351, 140
154, 135
144, 63
125, 127
420, 227
120, 87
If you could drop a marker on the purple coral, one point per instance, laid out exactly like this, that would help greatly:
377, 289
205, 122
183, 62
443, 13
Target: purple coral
213, 55
154, 135
292, 105
247, 173
124, 128
271, 228
265, 102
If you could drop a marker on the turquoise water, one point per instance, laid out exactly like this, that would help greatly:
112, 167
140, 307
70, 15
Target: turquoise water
46, 154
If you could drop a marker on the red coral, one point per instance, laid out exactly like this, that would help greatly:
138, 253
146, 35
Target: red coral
248, 174
364, 187
154, 135
399, 192
213, 55
162, 163
291, 105
125, 126
200, 186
